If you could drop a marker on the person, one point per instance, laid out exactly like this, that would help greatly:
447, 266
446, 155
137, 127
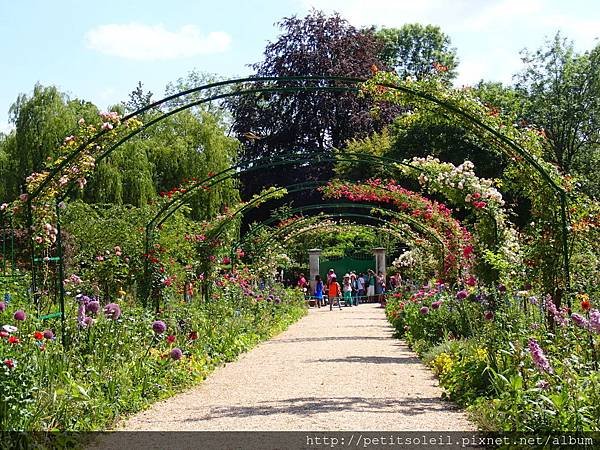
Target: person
302, 283
380, 287
354, 283
360, 285
334, 293
371, 286
347, 287
331, 274
318, 290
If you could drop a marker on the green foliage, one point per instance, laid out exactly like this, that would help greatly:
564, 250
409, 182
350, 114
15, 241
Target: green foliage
42, 121
113, 368
481, 353
418, 51
560, 90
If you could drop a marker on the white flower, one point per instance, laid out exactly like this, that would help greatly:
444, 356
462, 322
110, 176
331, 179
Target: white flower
9, 328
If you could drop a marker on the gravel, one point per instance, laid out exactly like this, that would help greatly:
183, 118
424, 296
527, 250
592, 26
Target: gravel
332, 370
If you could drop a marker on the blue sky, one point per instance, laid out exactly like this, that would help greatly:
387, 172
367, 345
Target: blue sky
98, 51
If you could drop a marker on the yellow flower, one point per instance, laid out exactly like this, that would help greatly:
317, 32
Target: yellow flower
481, 354
442, 363
122, 293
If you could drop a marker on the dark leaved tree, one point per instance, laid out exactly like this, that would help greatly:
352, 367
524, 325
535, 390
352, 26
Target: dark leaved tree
277, 125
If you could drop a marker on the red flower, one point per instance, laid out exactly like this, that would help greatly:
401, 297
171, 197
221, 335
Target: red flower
9, 363
13, 340
193, 335
4, 334
170, 339
586, 305
38, 335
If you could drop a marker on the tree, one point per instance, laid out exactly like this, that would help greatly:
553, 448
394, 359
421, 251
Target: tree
276, 124
138, 99
561, 93
419, 51
42, 121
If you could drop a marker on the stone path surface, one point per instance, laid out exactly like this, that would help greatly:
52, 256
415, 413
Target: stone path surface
332, 370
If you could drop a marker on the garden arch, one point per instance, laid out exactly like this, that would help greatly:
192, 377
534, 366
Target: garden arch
91, 150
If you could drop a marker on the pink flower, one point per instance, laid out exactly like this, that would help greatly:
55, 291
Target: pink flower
106, 126
538, 356
471, 281
23, 197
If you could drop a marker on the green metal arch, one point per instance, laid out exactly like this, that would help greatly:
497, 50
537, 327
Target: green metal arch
340, 84
320, 208
381, 220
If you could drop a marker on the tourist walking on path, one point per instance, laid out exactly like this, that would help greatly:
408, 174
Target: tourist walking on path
354, 283
318, 290
380, 287
347, 290
334, 293
331, 274
360, 284
371, 286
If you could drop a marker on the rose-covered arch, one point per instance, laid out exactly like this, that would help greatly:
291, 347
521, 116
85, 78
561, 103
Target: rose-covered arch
93, 142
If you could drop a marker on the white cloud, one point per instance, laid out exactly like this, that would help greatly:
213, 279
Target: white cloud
154, 42
6, 128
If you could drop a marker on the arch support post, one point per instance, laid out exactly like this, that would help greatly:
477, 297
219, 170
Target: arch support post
314, 255
379, 253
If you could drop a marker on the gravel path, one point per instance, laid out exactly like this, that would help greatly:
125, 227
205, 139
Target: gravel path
333, 370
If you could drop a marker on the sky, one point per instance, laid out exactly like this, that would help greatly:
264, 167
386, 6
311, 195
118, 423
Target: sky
98, 51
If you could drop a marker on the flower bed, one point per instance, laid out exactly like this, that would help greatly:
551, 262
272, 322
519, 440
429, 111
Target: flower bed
118, 358
496, 353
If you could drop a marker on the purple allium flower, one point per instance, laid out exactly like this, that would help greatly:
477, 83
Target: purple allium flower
159, 326
488, 315
93, 307
436, 305
595, 320
81, 312
48, 334
501, 288
20, 315
277, 300
112, 311
87, 322
461, 295
555, 313
176, 354
533, 300
2, 306
424, 310
538, 356
580, 321
543, 385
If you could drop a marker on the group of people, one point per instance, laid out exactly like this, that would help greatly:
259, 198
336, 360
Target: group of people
352, 290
